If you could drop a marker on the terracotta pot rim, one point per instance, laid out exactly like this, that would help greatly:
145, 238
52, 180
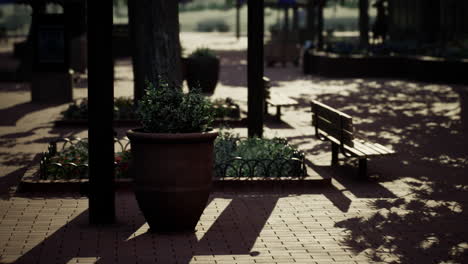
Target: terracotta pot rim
135, 134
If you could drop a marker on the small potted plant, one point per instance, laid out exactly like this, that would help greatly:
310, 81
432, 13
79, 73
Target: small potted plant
202, 70
172, 157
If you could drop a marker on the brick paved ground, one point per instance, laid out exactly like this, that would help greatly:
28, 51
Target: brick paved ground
412, 210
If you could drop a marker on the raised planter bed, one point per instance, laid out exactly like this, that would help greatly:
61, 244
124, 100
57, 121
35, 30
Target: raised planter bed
227, 113
71, 175
410, 67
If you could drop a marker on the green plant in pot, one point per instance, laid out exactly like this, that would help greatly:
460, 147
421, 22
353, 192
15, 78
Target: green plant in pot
172, 157
202, 70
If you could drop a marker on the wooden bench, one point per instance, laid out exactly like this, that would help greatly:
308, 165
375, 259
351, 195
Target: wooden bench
275, 99
337, 127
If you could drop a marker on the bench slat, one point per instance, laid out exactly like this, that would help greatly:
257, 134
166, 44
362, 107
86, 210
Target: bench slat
366, 149
374, 147
333, 116
355, 152
333, 130
384, 149
337, 127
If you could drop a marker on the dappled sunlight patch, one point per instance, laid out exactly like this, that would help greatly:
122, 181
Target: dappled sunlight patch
406, 229
84, 260
448, 161
429, 242
459, 250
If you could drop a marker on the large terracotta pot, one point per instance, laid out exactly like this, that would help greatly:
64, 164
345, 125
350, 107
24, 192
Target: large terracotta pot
173, 177
202, 72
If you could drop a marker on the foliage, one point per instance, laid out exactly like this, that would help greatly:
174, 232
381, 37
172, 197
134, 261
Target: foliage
72, 163
191, 6
259, 157
122, 163
77, 110
341, 47
202, 52
123, 109
169, 110
67, 164
455, 51
225, 107
213, 24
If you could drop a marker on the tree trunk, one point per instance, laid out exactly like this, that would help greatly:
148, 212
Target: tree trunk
311, 19
321, 5
26, 58
364, 23
137, 53
155, 26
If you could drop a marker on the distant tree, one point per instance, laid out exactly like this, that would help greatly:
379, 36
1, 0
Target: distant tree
320, 21
363, 23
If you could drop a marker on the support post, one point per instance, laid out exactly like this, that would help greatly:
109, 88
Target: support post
335, 152
255, 68
295, 24
364, 23
101, 100
238, 7
362, 169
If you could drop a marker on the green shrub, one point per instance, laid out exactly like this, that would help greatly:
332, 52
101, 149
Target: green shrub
259, 157
168, 110
225, 107
123, 109
72, 163
77, 110
202, 52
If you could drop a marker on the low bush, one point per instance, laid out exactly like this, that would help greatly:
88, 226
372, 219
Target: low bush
226, 108
256, 157
72, 162
123, 109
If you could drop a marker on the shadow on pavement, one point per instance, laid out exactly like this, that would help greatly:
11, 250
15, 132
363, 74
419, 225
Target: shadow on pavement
424, 123
128, 242
14, 113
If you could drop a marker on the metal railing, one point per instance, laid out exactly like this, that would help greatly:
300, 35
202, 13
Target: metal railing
234, 168
51, 170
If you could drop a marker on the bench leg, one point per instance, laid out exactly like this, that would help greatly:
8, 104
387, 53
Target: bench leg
278, 112
362, 169
335, 152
